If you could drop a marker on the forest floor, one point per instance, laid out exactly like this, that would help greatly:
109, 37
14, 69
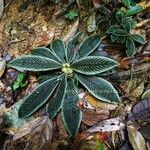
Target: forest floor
28, 24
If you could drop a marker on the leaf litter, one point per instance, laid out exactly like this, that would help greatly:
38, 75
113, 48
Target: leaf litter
24, 26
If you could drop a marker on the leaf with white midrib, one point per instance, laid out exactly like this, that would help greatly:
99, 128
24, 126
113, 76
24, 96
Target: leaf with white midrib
92, 65
71, 114
99, 88
55, 102
34, 63
37, 98
45, 52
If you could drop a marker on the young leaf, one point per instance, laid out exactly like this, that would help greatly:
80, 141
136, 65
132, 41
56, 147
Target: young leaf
34, 63
119, 16
127, 2
138, 38
91, 65
72, 47
130, 47
58, 47
120, 32
71, 15
88, 46
112, 29
45, 52
127, 26
100, 88
134, 10
37, 98
113, 38
55, 102
71, 114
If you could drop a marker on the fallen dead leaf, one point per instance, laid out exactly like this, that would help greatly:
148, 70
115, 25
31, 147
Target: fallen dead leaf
136, 139
108, 125
2, 66
99, 104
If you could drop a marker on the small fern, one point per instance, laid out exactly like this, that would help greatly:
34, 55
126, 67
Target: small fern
66, 63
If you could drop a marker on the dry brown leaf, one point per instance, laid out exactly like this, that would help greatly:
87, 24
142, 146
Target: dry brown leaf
137, 91
92, 117
99, 104
33, 135
144, 4
108, 125
72, 31
136, 139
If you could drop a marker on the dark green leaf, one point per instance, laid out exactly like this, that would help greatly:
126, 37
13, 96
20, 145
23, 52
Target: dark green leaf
134, 10
100, 88
130, 47
88, 46
58, 47
55, 102
91, 65
71, 114
34, 63
46, 77
119, 16
113, 38
130, 20
138, 38
37, 98
120, 40
127, 26
127, 2
105, 11
112, 29
120, 32
45, 52
72, 47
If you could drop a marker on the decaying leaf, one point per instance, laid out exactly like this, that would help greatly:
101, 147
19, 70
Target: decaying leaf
144, 130
33, 135
72, 31
2, 66
137, 91
136, 139
99, 104
140, 112
92, 117
108, 125
91, 23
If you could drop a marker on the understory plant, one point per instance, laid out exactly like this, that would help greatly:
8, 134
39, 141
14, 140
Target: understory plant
120, 23
62, 65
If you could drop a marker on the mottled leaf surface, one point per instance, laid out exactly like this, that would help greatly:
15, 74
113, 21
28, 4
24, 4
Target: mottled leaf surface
55, 102
100, 88
88, 46
91, 65
34, 63
37, 98
71, 114
45, 52
58, 47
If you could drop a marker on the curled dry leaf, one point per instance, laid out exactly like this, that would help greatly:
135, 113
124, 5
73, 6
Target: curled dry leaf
99, 104
34, 134
140, 112
108, 125
136, 139
137, 91
72, 31
92, 117
2, 66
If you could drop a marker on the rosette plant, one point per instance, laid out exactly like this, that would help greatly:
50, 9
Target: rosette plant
63, 65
